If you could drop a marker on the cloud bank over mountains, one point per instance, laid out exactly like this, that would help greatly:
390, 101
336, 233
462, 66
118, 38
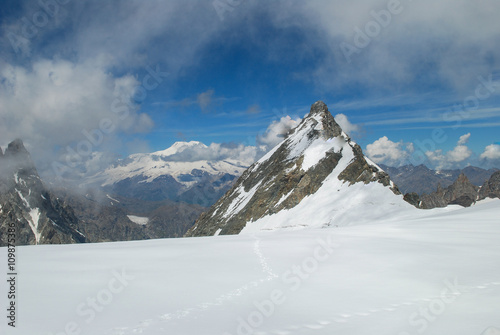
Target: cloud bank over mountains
72, 69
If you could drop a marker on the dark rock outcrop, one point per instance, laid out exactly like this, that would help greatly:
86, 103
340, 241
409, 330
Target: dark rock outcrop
491, 188
106, 219
413, 199
462, 192
172, 220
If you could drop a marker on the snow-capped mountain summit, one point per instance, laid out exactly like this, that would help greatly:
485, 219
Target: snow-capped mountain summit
174, 161
317, 176
179, 147
177, 173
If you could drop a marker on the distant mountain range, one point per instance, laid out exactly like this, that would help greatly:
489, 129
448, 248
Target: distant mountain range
317, 169
420, 179
170, 174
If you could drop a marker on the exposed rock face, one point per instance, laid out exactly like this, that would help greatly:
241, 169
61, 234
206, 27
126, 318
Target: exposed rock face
172, 220
106, 219
461, 192
413, 199
38, 216
491, 188
293, 170
100, 222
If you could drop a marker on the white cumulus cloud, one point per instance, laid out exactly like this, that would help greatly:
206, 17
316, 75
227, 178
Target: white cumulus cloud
464, 139
491, 152
277, 131
452, 158
54, 105
388, 152
215, 152
245, 154
345, 124
56, 101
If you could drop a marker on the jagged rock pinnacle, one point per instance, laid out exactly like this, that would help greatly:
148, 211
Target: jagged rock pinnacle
491, 187
318, 107
462, 192
39, 217
16, 147
319, 113
17, 157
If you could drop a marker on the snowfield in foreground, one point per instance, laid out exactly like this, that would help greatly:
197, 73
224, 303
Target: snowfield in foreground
435, 274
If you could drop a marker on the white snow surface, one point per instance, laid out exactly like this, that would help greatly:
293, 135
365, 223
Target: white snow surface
298, 141
110, 198
34, 215
435, 274
156, 164
318, 149
138, 219
33, 222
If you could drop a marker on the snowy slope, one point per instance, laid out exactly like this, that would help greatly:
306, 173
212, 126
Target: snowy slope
434, 274
138, 219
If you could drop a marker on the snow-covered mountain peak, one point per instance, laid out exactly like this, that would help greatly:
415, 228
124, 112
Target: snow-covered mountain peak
179, 147
186, 171
316, 176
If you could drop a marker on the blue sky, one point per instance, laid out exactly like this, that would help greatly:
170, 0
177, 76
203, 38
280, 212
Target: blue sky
408, 77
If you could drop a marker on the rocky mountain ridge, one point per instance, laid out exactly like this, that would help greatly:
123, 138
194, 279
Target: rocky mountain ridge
462, 192
313, 155
491, 187
38, 216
